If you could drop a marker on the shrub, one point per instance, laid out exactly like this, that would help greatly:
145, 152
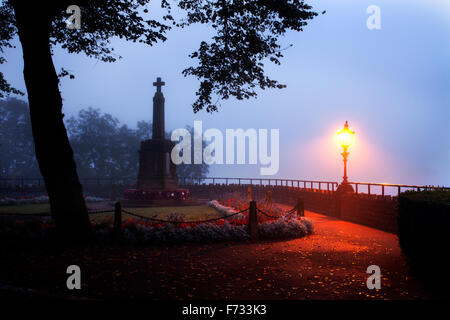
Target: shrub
423, 230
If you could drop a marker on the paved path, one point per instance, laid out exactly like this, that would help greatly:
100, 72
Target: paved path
330, 264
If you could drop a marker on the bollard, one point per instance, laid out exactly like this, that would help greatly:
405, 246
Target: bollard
300, 207
253, 221
117, 220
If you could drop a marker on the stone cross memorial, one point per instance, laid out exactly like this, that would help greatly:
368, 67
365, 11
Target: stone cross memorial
156, 171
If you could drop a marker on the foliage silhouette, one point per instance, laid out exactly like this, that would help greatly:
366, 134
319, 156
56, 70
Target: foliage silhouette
247, 32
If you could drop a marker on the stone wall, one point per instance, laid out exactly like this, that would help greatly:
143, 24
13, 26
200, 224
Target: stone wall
374, 211
371, 210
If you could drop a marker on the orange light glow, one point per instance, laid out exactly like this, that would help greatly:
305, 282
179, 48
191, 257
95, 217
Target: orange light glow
345, 136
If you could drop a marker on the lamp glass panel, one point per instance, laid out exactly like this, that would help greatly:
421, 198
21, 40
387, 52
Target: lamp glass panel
345, 137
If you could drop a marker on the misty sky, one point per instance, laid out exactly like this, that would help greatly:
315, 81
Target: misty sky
392, 85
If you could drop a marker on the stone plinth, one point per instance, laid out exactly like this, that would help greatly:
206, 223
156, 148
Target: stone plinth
156, 170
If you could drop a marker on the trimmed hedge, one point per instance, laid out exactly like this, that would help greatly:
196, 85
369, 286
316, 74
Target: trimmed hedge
424, 235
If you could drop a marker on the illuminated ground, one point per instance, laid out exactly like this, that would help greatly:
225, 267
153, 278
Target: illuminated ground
331, 264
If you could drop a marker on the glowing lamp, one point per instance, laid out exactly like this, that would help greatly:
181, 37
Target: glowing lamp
345, 139
345, 136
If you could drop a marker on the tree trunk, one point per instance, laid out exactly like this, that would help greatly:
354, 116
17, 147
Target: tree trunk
53, 151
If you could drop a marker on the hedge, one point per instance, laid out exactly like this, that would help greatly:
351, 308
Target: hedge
424, 235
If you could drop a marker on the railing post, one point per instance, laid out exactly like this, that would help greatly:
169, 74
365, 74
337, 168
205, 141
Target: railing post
300, 208
368, 189
117, 220
399, 190
382, 190
253, 221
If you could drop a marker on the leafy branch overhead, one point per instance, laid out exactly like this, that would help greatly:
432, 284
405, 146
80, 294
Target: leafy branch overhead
7, 32
231, 64
247, 33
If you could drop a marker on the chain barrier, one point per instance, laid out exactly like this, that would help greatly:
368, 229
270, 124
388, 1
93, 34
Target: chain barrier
182, 222
100, 211
292, 210
275, 217
47, 214
267, 214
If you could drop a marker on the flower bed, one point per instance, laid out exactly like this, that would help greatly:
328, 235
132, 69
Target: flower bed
142, 231
138, 231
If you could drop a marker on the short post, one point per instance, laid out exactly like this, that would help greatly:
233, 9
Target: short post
253, 221
117, 220
300, 208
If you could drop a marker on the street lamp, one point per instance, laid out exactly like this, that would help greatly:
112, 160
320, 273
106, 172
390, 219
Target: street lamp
345, 139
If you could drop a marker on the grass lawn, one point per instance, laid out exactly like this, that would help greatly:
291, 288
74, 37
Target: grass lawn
26, 208
189, 213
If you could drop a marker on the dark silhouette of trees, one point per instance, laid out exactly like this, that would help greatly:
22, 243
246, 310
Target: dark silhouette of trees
247, 33
16, 140
103, 148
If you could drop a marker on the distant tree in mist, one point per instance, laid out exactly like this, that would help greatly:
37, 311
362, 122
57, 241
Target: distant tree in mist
17, 155
193, 170
103, 148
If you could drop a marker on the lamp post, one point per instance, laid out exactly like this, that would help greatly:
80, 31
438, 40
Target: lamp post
345, 138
